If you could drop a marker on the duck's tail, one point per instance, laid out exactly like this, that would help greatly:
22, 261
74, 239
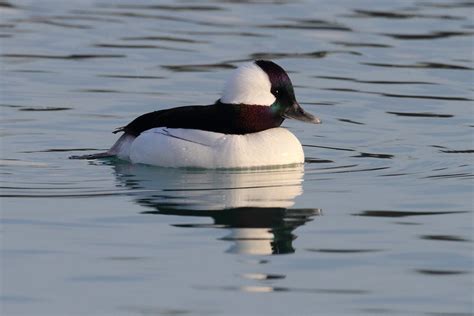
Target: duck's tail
93, 156
120, 149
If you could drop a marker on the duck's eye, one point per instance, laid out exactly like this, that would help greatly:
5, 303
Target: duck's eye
276, 92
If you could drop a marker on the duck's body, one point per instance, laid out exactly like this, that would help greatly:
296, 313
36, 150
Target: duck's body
175, 147
241, 130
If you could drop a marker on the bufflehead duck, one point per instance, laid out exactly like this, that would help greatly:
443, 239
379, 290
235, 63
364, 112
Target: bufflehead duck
240, 130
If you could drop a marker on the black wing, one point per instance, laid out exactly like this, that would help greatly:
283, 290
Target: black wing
213, 118
219, 118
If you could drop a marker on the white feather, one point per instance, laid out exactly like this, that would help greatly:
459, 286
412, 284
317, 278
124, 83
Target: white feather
249, 84
121, 148
168, 147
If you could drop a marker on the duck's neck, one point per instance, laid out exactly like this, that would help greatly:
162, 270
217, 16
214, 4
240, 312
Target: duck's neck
258, 118
254, 118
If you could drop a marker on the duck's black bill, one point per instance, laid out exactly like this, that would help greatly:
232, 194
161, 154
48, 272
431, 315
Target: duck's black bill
296, 112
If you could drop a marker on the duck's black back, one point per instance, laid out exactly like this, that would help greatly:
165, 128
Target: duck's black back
219, 118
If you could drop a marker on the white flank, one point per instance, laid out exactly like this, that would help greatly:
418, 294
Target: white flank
177, 148
249, 84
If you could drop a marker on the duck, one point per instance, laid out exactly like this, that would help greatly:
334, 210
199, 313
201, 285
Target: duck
242, 129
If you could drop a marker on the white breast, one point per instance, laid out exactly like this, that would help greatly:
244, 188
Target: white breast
168, 147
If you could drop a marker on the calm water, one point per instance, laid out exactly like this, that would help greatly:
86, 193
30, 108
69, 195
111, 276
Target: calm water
378, 222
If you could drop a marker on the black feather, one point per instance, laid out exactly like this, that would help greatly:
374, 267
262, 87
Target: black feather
219, 118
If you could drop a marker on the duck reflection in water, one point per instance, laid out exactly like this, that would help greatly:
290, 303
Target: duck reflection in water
254, 205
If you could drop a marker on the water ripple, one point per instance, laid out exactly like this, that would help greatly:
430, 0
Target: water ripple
309, 24
224, 33
129, 76
315, 160
66, 57
164, 38
372, 155
328, 147
420, 114
394, 95
448, 4
141, 46
465, 151
427, 36
451, 176
83, 194
315, 54
438, 272
376, 81
350, 121
137, 15
48, 21
401, 15
389, 213
444, 238
198, 67
43, 109
6, 4
166, 7
361, 44
342, 251
423, 65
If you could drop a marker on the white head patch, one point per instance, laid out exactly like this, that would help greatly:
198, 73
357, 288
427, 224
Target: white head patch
249, 84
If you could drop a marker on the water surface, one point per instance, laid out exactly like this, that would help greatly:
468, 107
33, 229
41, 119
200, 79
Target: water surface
378, 221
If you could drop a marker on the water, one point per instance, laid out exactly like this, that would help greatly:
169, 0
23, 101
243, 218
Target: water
379, 221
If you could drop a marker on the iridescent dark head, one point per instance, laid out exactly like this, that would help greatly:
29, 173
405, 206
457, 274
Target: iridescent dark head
263, 82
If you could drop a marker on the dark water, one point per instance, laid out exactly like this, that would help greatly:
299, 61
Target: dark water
378, 222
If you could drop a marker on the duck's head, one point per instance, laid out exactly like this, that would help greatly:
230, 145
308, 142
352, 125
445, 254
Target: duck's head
264, 83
